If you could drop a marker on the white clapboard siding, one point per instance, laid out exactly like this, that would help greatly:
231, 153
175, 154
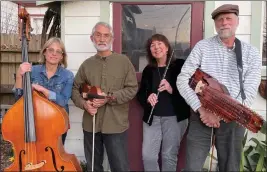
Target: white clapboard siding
78, 20
75, 59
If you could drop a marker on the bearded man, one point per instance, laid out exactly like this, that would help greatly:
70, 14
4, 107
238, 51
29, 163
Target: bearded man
216, 56
113, 73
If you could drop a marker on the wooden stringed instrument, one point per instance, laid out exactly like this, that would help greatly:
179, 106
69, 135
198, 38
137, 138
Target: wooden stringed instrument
90, 93
215, 97
93, 92
34, 125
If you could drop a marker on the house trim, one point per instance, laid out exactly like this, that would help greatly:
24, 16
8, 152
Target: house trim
208, 22
39, 3
62, 18
257, 23
25, 3
104, 11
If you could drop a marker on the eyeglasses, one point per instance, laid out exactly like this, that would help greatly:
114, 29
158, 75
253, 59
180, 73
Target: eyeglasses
52, 51
104, 36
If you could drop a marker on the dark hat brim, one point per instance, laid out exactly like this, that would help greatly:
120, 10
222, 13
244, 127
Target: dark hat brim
224, 9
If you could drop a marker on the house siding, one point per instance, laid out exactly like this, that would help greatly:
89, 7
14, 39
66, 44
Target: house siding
78, 19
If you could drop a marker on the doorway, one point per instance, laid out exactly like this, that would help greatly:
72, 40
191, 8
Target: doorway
133, 24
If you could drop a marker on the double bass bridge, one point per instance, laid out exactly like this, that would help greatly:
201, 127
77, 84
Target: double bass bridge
30, 166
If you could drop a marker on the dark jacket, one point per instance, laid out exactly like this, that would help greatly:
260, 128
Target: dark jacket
181, 108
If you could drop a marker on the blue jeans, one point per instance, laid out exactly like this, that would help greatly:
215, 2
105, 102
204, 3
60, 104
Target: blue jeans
165, 133
116, 147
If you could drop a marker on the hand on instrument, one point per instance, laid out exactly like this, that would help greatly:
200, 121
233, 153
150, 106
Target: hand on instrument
23, 68
164, 85
100, 102
152, 99
38, 87
41, 89
88, 106
208, 118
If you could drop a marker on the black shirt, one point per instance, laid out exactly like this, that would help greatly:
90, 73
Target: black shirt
164, 106
180, 108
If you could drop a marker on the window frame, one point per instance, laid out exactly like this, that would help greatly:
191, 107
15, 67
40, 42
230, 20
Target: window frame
197, 20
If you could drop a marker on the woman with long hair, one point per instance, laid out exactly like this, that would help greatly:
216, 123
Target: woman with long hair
169, 120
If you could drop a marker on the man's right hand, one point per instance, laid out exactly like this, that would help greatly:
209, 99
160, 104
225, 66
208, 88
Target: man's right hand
208, 118
88, 106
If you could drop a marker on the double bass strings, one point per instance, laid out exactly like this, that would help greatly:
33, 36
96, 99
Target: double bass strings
30, 136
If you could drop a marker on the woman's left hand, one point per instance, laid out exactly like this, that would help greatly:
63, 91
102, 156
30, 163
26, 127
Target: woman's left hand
38, 87
41, 89
164, 85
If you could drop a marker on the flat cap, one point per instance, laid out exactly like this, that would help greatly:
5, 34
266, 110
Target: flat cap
226, 8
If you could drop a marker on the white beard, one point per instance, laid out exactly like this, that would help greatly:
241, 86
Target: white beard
224, 34
102, 48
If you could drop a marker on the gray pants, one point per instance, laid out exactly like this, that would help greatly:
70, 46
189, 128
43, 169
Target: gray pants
169, 132
228, 142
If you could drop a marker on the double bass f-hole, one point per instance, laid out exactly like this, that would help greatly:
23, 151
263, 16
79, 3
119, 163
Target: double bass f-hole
54, 159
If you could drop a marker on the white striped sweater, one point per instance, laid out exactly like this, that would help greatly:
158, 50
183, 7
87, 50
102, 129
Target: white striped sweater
220, 62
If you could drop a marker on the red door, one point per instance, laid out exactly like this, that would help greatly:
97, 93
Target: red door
134, 23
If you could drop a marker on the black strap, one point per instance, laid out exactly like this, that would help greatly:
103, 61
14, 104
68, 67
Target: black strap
238, 53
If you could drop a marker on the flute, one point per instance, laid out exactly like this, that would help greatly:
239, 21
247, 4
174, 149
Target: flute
164, 75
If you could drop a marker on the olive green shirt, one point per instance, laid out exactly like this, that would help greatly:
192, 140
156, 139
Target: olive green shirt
116, 74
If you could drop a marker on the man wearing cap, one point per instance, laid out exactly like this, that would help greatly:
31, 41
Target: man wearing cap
216, 56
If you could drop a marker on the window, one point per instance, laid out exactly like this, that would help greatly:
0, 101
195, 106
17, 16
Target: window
134, 23
37, 24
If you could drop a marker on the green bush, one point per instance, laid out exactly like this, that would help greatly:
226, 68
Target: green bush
83, 165
254, 157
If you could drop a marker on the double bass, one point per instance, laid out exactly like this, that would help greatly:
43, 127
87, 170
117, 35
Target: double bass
34, 125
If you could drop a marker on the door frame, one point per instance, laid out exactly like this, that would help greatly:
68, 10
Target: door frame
135, 131
197, 20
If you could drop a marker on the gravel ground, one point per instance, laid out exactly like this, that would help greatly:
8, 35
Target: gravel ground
5, 152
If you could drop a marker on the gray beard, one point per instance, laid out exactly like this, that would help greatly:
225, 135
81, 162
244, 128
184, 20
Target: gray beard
107, 47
